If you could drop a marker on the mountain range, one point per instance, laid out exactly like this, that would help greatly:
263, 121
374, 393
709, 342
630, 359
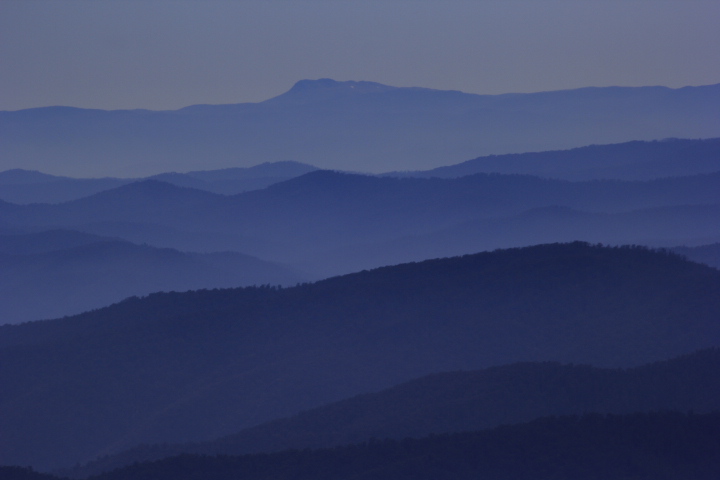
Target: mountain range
182, 367
299, 223
27, 186
187, 315
328, 223
624, 161
55, 273
460, 401
636, 160
342, 125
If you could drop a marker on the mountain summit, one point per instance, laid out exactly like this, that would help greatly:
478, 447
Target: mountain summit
349, 126
328, 85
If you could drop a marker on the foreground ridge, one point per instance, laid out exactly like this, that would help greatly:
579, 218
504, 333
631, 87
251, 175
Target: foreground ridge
665, 445
188, 367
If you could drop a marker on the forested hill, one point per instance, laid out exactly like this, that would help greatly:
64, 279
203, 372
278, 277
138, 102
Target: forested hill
198, 365
658, 446
463, 401
707, 254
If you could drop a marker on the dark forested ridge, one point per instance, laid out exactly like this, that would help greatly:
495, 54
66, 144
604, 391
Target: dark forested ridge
198, 365
464, 401
625, 161
658, 446
23, 473
707, 254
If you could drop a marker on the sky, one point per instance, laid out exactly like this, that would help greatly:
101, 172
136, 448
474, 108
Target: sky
167, 54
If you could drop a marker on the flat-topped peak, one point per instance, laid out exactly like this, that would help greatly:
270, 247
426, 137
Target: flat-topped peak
305, 90
330, 85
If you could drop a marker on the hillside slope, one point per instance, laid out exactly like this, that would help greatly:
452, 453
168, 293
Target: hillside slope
194, 366
466, 401
667, 446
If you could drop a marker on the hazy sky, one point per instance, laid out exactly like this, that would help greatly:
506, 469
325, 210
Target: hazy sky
168, 54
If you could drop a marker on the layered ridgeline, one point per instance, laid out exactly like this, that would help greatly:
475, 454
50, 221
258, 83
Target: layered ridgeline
625, 161
54, 273
666, 446
27, 186
195, 366
340, 125
330, 223
464, 401
315, 225
635, 160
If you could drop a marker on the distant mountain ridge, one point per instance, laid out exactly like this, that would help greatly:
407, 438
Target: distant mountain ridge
343, 125
26, 186
626, 161
632, 161
325, 223
328, 222
57, 273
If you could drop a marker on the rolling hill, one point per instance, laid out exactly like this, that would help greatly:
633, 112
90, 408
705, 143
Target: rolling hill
194, 366
707, 254
450, 402
57, 273
662, 445
329, 223
26, 186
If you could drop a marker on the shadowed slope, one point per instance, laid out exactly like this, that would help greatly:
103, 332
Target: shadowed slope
464, 401
666, 446
198, 365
